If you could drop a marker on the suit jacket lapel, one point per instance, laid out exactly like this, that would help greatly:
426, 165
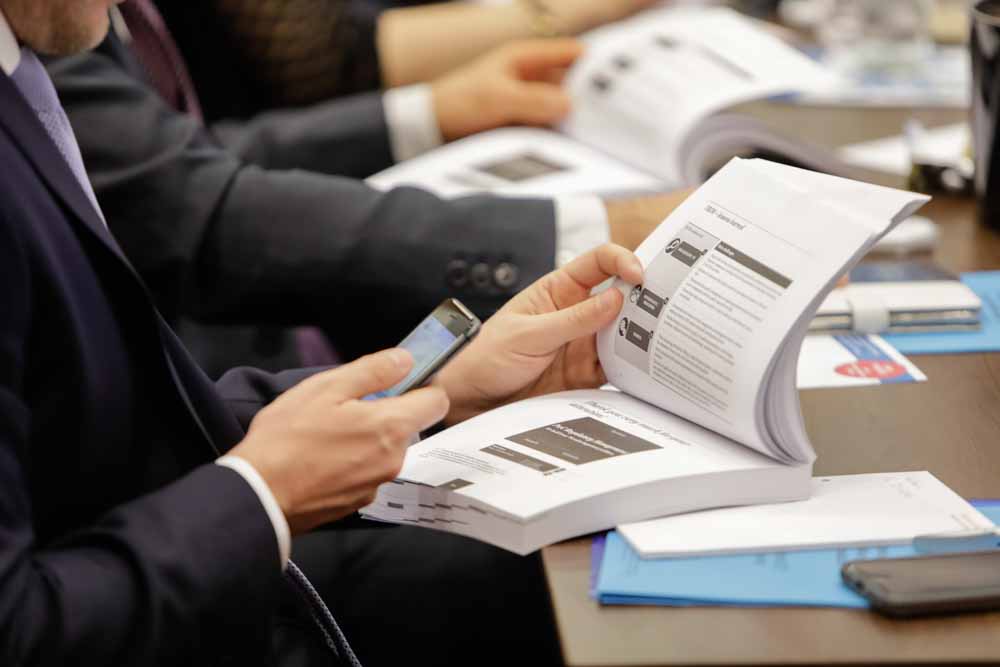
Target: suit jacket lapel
35, 143
21, 123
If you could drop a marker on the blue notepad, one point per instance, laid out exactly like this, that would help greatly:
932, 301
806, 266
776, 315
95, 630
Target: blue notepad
800, 578
986, 284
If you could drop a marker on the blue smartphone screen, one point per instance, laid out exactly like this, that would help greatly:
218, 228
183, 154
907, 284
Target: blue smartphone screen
426, 343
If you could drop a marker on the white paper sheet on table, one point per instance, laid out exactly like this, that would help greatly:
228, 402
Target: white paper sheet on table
843, 511
891, 155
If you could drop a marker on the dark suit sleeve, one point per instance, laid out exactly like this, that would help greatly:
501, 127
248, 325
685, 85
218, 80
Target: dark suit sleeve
233, 243
138, 585
343, 137
247, 390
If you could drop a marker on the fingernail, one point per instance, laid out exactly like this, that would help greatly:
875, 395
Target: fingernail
445, 407
636, 266
401, 358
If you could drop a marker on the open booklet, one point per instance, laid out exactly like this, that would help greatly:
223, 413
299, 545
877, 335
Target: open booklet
704, 355
651, 109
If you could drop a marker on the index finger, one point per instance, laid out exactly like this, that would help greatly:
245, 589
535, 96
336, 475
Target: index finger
607, 261
366, 375
414, 411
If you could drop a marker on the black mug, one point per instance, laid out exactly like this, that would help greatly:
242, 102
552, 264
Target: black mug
984, 43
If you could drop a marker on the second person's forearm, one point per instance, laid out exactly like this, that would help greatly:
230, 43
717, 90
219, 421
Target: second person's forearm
418, 44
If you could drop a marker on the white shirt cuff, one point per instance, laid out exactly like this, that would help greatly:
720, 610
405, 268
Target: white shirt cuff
413, 125
246, 470
581, 225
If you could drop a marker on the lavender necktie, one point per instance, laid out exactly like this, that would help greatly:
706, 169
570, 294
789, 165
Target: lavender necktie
35, 85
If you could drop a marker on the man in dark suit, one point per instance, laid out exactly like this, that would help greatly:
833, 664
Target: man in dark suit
222, 233
125, 538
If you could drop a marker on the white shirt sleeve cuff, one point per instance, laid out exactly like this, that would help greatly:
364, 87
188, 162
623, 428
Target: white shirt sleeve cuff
581, 225
413, 125
281, 531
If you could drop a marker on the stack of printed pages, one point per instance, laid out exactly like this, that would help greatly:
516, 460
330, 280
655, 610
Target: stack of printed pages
703, 356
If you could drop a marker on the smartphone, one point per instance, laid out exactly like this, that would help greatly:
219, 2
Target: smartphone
925, 585
435, 340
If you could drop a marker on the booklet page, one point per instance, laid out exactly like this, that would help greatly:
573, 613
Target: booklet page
875, 207
517, 162
533, 456
644, 84
727, 276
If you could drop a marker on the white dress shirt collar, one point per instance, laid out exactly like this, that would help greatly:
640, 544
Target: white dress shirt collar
10, 52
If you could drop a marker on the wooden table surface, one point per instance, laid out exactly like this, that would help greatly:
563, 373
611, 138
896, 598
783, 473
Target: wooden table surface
949, 425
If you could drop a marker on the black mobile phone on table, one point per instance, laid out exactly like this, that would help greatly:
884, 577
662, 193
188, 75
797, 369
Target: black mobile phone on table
435, 340
928, 585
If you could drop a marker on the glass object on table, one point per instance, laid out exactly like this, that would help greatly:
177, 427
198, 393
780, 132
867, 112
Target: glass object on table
865, 38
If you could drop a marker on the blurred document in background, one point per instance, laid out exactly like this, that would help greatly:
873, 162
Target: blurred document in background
651, 100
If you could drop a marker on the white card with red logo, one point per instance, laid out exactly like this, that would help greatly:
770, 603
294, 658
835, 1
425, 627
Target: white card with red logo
853, 360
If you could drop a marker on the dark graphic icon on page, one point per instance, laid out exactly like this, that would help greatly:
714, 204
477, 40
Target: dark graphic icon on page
651, 303
601, 83
633, 296
686, 253
635, 334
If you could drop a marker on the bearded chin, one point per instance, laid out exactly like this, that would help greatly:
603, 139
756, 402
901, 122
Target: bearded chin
69, 36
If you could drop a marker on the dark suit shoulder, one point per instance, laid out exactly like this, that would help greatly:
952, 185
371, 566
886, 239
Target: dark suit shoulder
117, 544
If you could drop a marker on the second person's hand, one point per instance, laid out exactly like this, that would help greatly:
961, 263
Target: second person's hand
515, 84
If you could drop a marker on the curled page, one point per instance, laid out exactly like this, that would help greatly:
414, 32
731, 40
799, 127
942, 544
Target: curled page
730, 276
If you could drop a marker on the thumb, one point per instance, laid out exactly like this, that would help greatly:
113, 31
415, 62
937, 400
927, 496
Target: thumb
537, 103
553, 330
367, 375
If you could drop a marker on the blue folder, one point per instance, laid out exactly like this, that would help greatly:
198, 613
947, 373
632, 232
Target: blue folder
986, 284
798, 578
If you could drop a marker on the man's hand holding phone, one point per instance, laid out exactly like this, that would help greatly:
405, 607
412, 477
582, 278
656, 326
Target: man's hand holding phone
324, 451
